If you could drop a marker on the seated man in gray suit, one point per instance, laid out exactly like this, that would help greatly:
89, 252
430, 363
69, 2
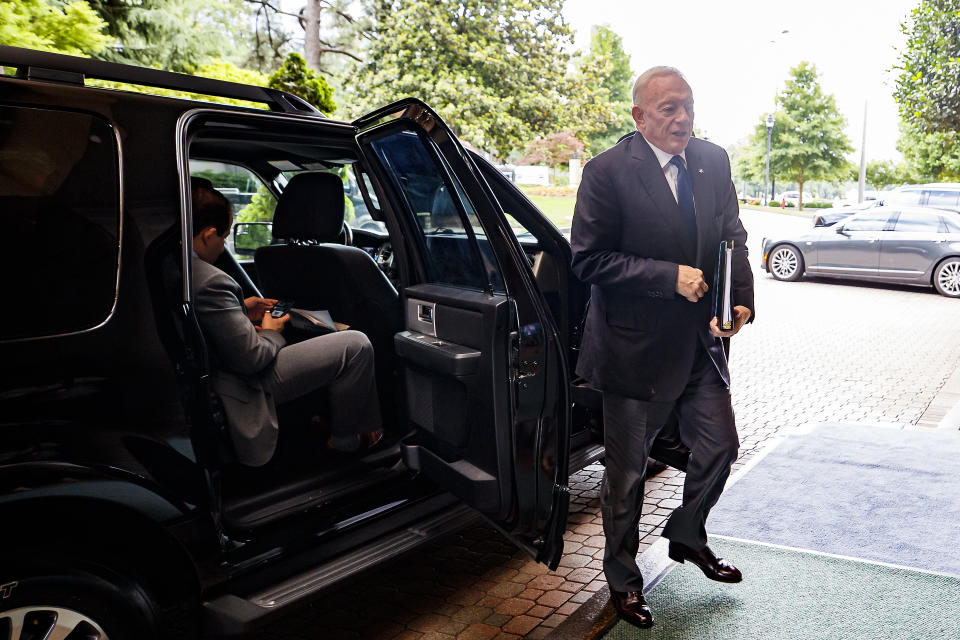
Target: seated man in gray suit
253, 368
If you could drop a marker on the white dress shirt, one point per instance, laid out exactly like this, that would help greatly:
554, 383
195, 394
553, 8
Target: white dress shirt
669, 170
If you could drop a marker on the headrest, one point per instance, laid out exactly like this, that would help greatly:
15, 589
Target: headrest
310, 208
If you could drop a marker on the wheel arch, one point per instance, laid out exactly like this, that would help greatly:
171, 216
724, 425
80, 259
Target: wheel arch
102, 534
936, 265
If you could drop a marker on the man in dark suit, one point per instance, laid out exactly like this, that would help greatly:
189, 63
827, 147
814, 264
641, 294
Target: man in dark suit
650, 215
254, 368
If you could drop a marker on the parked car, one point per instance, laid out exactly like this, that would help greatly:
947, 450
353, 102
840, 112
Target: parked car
125, 511
905, 245
831, 216
942, 195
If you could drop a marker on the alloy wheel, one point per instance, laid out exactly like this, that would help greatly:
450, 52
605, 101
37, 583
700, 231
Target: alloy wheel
784, 263
41, 621
948, 278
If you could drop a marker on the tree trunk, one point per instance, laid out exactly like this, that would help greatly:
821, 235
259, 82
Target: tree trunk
311, 33
800, 194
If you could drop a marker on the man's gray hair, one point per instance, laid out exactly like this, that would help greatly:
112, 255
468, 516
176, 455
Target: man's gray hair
640, 86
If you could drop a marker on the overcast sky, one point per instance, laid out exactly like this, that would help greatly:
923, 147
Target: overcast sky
736, 58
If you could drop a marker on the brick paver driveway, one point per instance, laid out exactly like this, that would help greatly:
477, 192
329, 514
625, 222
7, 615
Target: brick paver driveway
821, 350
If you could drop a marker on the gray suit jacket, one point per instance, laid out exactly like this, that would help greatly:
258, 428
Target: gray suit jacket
640, 337
239, 354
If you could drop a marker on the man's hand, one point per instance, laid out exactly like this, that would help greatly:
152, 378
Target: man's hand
256, 307
277, 324
690, 283
740, 316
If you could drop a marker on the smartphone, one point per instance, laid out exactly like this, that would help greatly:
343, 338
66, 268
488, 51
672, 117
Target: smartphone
280, 308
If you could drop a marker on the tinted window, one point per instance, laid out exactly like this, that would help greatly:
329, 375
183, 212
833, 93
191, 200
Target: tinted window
910, 221
868, 221
445, 217
59, 206
942, 199
907, 197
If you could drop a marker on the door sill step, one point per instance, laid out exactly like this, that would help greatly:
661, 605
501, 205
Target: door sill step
231, 614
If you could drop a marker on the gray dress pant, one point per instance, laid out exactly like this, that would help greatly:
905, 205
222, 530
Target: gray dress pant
343, 362
706, 421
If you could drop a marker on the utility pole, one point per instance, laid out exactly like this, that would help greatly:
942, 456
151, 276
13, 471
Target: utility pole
863, 156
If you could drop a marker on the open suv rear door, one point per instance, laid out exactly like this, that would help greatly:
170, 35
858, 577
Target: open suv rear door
484, 372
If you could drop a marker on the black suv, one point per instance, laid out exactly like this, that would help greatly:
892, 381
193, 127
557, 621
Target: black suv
124, 513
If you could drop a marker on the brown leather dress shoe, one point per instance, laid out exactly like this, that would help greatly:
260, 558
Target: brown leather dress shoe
713, 567
632, 607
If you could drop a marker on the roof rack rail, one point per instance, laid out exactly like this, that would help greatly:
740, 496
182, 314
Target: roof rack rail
57, 67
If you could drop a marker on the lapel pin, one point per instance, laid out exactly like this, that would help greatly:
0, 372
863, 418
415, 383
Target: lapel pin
699, 170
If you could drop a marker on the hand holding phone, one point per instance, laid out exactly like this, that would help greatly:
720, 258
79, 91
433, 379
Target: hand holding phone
281, 308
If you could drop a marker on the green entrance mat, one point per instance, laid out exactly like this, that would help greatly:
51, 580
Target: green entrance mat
789, 594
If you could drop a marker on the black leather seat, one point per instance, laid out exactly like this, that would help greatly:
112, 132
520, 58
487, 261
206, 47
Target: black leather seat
309, 266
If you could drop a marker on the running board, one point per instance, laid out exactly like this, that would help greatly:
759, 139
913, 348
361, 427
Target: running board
231, 614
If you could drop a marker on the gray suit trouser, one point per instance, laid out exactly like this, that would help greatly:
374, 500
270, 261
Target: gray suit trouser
705, 416
343, 363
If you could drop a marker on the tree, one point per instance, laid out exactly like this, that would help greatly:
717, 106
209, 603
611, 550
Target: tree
329, 27
928, 90
70, 27
496, 70
177, 35
606, 48
807, 141
554, 150
883, 173
294, 76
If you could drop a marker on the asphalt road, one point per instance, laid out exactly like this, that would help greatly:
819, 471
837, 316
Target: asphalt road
820, 350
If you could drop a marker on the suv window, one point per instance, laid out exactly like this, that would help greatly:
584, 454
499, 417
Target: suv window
252, 201
59, 198
941, 198
453, 257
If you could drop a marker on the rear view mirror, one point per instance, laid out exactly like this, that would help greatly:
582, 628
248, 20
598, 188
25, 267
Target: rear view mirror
842, 230
250, 236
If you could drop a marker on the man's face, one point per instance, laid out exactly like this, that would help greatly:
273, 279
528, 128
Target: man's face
666, 117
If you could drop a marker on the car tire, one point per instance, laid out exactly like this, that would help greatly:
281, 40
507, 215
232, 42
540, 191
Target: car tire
946, 278
785, 263
74, 602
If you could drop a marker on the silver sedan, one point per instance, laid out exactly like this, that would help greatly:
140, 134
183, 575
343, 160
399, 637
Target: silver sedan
904, 245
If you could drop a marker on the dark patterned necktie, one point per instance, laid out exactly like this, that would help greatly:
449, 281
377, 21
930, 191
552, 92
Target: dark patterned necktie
685, 200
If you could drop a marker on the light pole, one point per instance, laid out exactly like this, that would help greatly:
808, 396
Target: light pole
766, 171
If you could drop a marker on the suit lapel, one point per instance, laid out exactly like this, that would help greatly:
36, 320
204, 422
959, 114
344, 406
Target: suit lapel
655, 183
702, 198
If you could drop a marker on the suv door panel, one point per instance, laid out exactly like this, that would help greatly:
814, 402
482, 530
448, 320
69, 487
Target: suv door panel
483, 367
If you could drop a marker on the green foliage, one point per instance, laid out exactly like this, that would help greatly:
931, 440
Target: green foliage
177, 35
261, 207
928, 91
295, 77
606, 51
554, 150
496, 70
807, 141
928, 88
884, 173
64, 27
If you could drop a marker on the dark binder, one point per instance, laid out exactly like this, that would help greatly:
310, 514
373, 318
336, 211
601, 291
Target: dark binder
723, 294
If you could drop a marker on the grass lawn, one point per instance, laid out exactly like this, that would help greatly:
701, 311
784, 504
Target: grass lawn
558, 209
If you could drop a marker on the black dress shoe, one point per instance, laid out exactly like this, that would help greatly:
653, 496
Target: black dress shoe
713, 567
632, 607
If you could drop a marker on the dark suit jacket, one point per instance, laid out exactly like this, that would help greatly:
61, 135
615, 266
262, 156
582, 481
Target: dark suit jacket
640, 336
240, 354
